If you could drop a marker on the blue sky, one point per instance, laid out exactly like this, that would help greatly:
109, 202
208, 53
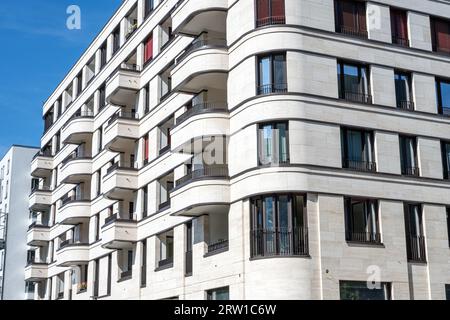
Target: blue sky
37, 52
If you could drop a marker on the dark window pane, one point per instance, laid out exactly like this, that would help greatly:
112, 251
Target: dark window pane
360, 290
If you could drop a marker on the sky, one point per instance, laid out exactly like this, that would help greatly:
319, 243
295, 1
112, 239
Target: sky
37, 52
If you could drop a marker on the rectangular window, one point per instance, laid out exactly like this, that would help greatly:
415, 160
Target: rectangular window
415, 239
148, 49
403, 90
361, 220
116, 40
146, 149
218, 294
408, 156
149, 6
440, 34
103, 55
443, 96
273, 143
80, 83
165, 254
269, 12
361, 290
353, 82
279, 226
102, 97
399, 27
357, 150
145, 202
447, 291
445, 149
448, 225
97, 226
144, 264
351, 18
272, 77
99, 183
188, 253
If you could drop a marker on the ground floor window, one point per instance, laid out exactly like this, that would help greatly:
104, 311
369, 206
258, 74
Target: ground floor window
218, 294
362, 290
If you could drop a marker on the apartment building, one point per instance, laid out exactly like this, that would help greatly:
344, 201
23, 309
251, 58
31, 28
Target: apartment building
15, 181
250, 149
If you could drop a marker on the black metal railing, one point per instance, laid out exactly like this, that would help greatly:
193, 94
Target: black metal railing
405, 105
38, 225
213, 171
359, 165
272, 88
74, 156
354, 32
111, 218
219, 246
189, 266
356, 97
123, 115
267, 21
74, 198
126, 274
279, 242
43, 153
363, 237
38, 188
60, 295
404, 42
165, 204
202, 107
65, 243
198, 44
415, 246
121, 165
164, 149
410, 171
165, 263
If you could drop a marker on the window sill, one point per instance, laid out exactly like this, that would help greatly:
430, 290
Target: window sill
307, 256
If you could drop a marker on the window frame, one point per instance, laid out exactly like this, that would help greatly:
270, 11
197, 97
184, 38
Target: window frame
283, 87
274, 127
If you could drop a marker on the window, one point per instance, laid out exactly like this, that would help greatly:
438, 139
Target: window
399, 27
351, 18
361, 290
415, 240
103, 55
440, 34
102, 97
443, 96
145, 202
97, 227
80, 83
127, 264
116, 40
149, 6
188, 253
146, 149
403, 90
272, 76
218, 294
408, 156
353, 82
447, 291
445, 149
165, 255
8, 167
279, 226
144, 263
270, 12
448, 224
100, 139
361, 220
357, 150
273, 143
148, 49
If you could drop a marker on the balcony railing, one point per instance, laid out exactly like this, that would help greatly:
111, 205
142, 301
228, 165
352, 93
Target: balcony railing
218, 247
126, 274
198, 44
400, 41
121, 165
117, 217
214, 171
267, 21
164, 205
71, 242
272, 88
411, 171
356, 97
415, 246
354, 32
405, 105
40, 188
73, 198
123, 115
279, 242
359, 165
43, 153
38, 225
166, 263
164, 149
60, 295
74, 156
364, 237
203, 107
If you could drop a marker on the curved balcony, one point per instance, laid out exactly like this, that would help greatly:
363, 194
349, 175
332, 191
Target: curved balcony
42, 164
38, 235
195, 16
40, 198
118, 233
120, 130
76, 169
36, 271
120, 179
79, 128
71, 254
202, 191
123, 85
204, 63
74, 211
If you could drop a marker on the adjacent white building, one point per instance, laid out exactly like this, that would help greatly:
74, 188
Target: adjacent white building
15, 182
249, 149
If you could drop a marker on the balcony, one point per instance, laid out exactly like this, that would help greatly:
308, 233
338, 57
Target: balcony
358, 97
196, 16
279, 242
405, 105
118, 233
40, 198
400, 41
76, 169
72, 254
38, 235
363, 237
203, 108
411, 171
415, 246
120, 179
203, 64
74, 211
36, 271
216, 248
358, 165
353, 32
272, 88
121, 129
202, 191
79, 128
123, 85
42, 164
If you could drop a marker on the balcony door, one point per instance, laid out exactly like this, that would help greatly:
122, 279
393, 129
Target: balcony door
353, 82
362, 223
351, 17
270, 12
272, 77
273, 143
358, 149
415, 240
408, 155
403, 90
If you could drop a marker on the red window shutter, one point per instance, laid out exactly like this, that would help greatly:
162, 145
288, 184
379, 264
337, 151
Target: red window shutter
278, 8
148, 51
146, 148
262, 9
442, 35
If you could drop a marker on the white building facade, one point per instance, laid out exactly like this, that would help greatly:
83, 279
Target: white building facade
15, 182
249, 149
